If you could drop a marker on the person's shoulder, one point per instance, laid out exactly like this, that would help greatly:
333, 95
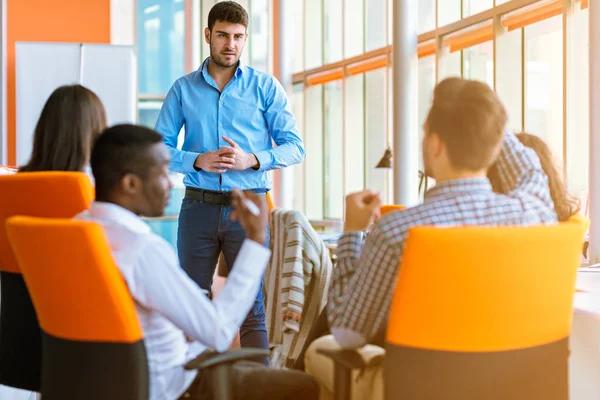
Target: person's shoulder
265, 79
186, 80
395, 225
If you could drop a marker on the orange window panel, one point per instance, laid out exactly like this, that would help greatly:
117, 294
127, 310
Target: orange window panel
426, 50
533, 15
584, 4
368, 65
325, 77
470, 38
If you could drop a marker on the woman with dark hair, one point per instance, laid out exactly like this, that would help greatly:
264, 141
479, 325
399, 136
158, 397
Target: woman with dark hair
564, 204
71, 119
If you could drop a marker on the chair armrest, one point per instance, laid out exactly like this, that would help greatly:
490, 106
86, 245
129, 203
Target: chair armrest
345, 361
345, 358
211, 358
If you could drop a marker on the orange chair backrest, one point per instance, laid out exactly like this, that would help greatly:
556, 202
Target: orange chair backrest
270, 203
76, 288
40, 194
387, 208
478, 289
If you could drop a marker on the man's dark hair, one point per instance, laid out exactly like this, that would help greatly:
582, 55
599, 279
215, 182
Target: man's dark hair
227, 11
121, 150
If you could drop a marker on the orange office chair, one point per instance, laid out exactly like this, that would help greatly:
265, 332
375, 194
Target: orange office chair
42, 194
92, 341
487, 315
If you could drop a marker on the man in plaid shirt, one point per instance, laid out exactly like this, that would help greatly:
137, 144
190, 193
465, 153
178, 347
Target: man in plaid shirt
465, 133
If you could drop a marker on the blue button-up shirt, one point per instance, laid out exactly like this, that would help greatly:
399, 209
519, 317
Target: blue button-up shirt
252, 110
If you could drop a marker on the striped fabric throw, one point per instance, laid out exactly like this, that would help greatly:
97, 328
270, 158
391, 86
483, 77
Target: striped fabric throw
296, 283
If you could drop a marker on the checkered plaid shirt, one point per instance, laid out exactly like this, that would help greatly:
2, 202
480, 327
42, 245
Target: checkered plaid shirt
364, 279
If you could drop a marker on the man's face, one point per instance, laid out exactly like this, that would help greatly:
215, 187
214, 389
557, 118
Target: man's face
227, 42
154, 196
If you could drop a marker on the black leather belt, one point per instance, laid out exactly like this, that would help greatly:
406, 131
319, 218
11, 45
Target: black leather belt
209, 196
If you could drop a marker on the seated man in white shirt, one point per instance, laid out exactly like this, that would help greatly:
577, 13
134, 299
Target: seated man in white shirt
130, 165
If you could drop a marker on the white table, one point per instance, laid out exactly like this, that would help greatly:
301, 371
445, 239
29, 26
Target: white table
584, 363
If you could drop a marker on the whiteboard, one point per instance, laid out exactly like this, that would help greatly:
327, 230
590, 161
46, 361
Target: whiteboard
109, 71
40, 69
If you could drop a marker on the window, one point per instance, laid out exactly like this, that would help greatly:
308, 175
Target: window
298, 24
333, 151
313, 37
426, 16
375, 30
354, 143
578, 128
333, 31
450, 64
314, 151
376, 129
449, 11
509, 76
544, 83
148, 112
354, 28
472, 7
297, 100
349, 124
258, 42
161, 26
426, 84
478, 63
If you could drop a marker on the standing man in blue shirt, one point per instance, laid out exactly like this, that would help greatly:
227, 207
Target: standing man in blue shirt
232, 115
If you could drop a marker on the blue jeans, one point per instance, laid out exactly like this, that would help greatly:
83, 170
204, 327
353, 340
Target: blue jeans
204, 231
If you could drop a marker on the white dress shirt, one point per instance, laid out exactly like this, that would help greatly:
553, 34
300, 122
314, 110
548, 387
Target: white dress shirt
171, 306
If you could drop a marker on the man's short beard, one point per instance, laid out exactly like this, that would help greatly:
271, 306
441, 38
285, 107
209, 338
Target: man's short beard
214, 56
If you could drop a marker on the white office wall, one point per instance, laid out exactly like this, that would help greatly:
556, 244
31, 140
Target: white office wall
122, 22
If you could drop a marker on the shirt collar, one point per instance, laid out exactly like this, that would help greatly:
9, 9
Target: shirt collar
459, 186
238, 72
117, 214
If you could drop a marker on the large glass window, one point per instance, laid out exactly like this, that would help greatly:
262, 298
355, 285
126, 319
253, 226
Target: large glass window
426, 19
376, 129
313, 33
333, 152
333, 31
314, 151
258, 46
544, 83
449, 11
472, 7
161, 41
450, 64
426, 76
354, 143
298, 24
349, 123
299, 198
354, 28
578, 128
509, 76
375, 30
478, 63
